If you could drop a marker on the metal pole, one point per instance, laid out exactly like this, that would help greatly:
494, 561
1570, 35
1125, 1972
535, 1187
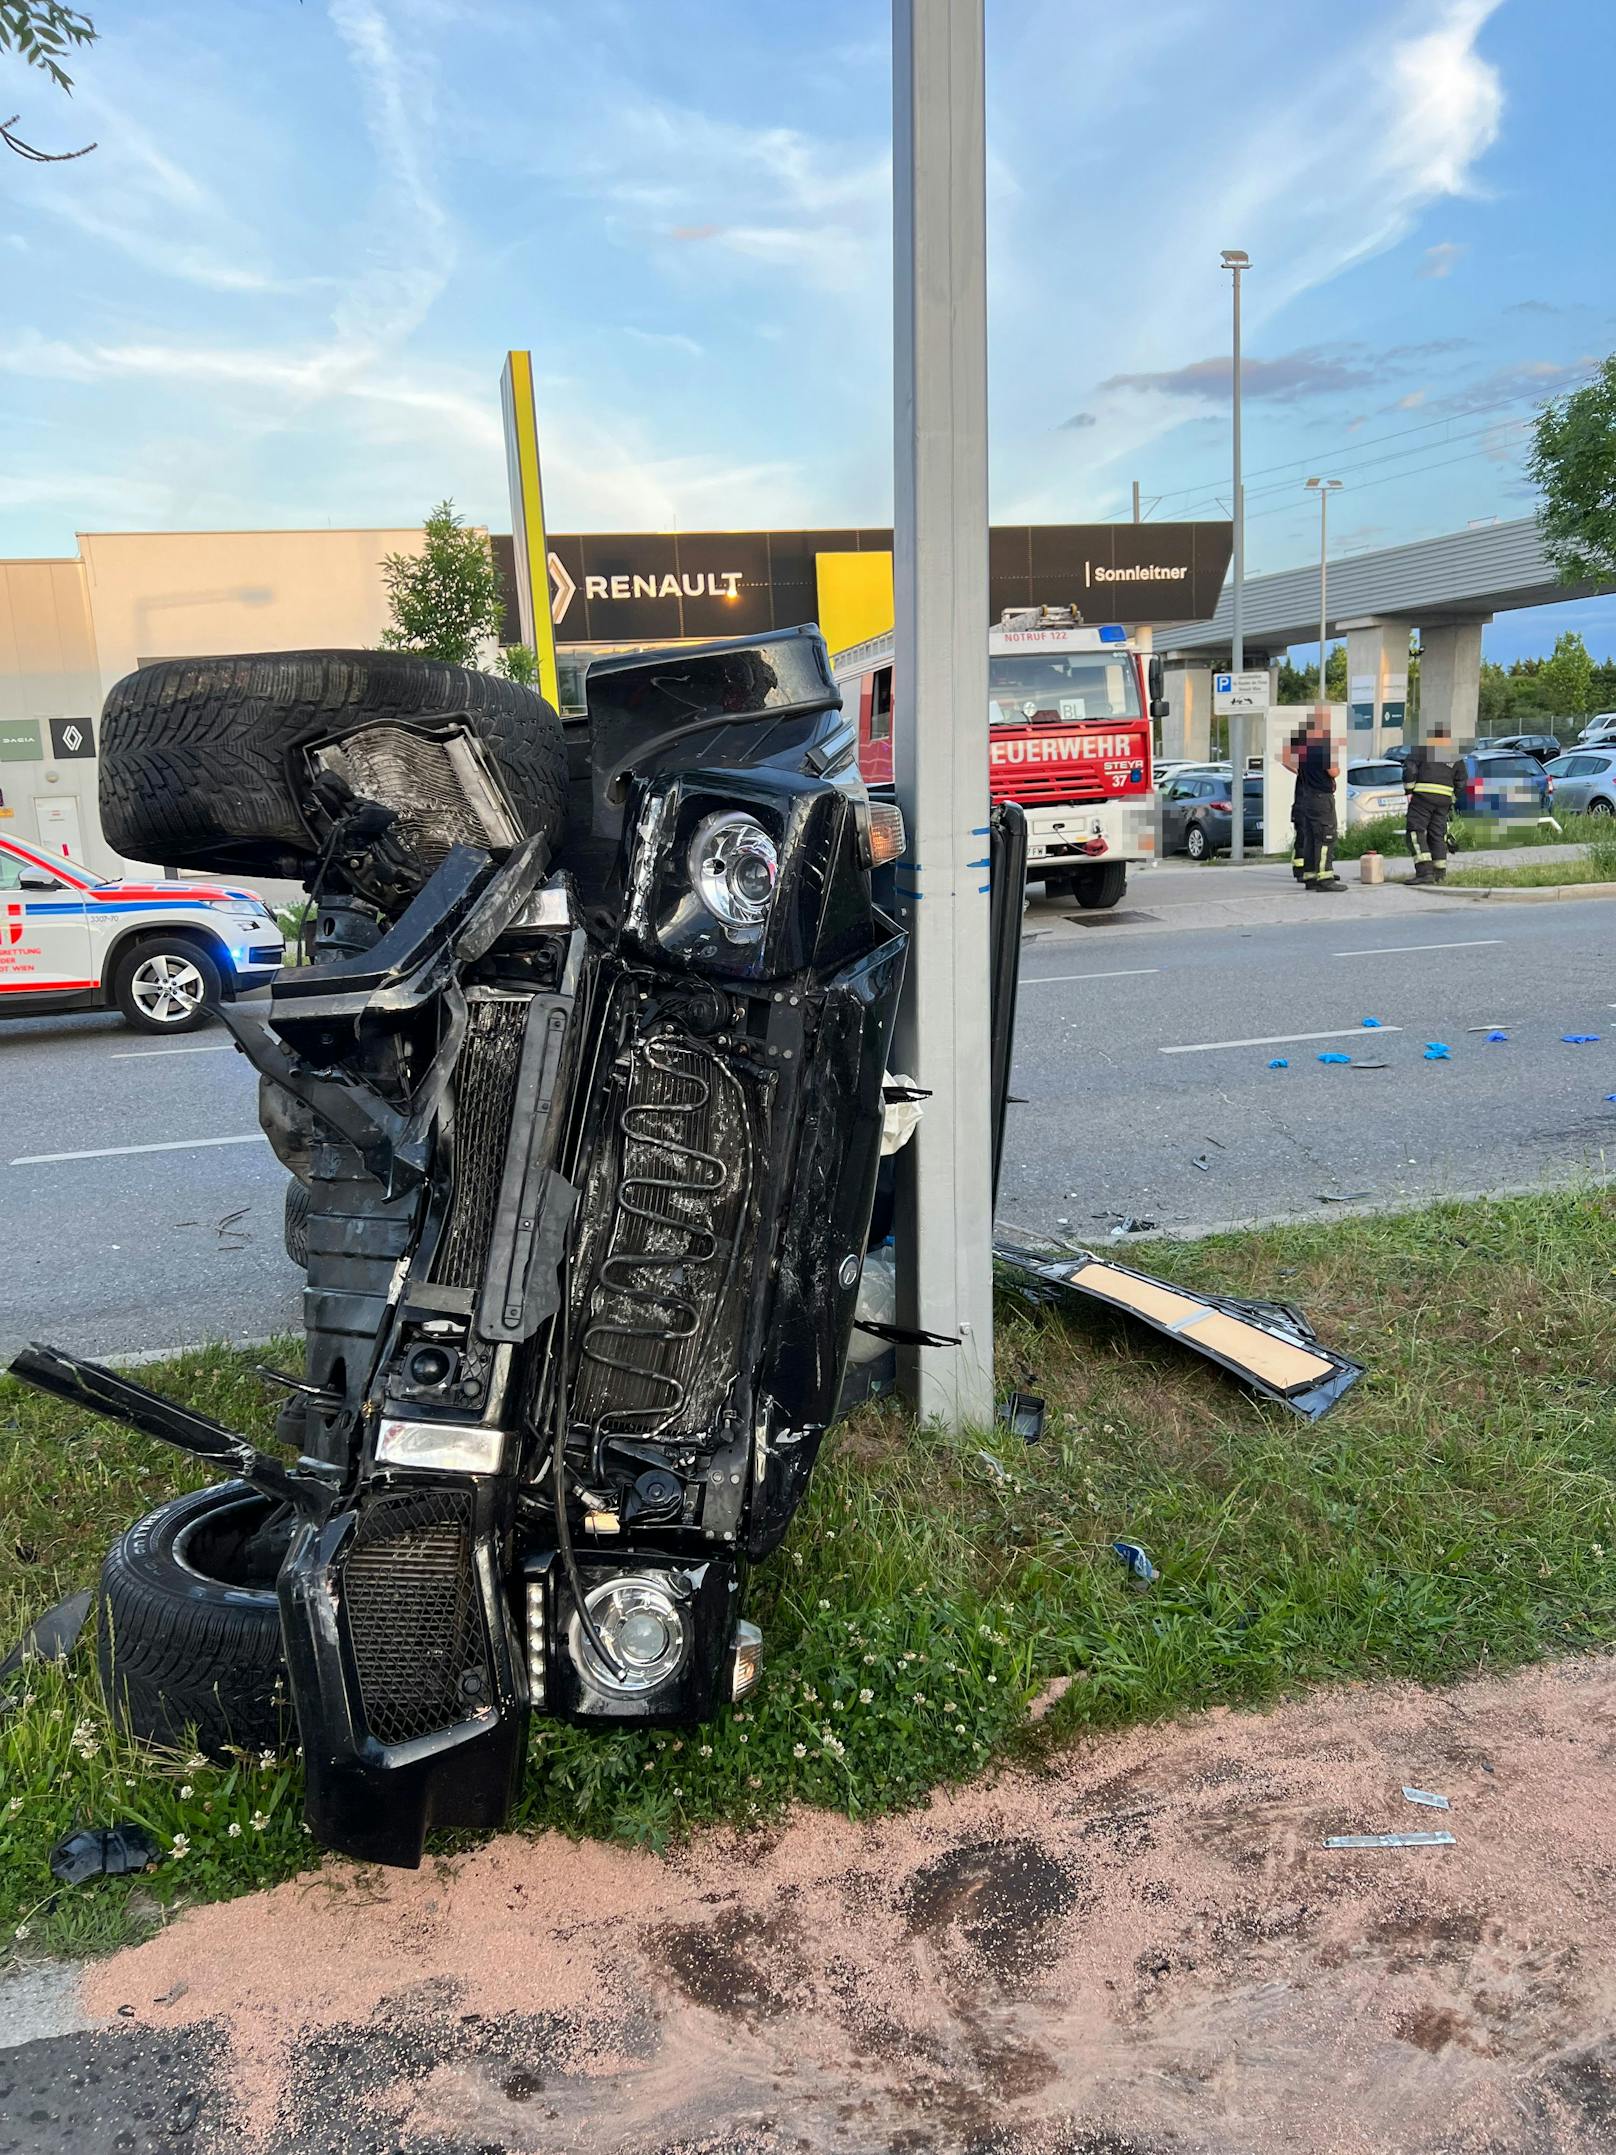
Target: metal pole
940, 677
1324, 550
1136, 516
1237, 723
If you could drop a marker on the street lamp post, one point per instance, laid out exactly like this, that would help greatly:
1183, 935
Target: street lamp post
1236, 260
1324, 487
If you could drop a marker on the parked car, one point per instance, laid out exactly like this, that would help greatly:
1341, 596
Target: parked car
1545, 746
1584, 782
1599, 729
1502, 783
166, 954
1197, 811
1374, 789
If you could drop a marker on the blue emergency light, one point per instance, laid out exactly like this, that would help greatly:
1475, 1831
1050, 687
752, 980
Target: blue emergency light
1112, 632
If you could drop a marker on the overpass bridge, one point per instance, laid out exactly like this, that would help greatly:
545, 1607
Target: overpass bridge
1447, 588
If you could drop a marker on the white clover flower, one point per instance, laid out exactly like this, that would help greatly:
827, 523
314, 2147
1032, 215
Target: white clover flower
918, 1698
830, 1533
865, 1697
910, 1657
706, 1751
837, 1748
959, 1728
21, 1932
824, 1604
14, 1806
949, 1707
744, 1737
234, 1829
796, 1558
179, 1846
799, 1750
258, 1821
993, 1679
838, 1706
186, 1791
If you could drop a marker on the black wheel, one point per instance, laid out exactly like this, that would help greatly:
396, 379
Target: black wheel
296, 1230
1602, 808
1196, 843
189, 1627
1098, 889
167, 985
202, 762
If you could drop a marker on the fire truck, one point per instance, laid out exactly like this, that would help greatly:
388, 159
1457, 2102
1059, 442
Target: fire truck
1069, 738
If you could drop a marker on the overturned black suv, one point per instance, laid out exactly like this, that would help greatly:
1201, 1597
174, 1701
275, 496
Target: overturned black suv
583, 1089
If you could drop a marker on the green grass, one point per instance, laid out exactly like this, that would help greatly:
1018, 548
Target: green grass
1471, 834
1597, 864
1454, 1512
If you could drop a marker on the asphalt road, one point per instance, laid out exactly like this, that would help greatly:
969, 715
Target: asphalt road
1143, 1088
142, 1210
130, 1250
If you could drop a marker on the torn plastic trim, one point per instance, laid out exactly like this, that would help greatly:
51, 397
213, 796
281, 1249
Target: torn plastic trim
1269, 1346
311, 1489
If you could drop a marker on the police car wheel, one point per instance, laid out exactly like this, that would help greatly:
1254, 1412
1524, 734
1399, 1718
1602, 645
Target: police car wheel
168, 987
189, 1631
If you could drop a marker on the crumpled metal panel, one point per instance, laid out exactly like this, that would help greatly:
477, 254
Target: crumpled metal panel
1269, 1346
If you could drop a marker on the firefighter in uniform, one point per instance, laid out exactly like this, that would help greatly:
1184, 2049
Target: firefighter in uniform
1296, 740
1431, 776
1313, 761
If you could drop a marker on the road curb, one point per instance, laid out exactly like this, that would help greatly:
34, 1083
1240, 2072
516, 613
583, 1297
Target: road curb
1519, 894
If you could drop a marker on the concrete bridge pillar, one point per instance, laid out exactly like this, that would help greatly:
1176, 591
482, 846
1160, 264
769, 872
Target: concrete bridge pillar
1450, 677
1187, 728
1377, 685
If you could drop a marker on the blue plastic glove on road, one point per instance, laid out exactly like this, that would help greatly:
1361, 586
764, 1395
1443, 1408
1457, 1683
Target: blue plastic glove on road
1332, 1057
1438, 1051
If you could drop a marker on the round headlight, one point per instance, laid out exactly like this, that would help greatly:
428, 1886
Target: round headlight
734, 866
644, 1630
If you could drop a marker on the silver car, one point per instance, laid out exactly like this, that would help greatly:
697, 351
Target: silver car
1583, 782
1374, 789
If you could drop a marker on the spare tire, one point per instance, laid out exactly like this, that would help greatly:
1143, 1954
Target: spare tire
189, 1626
295, 1228
200, 762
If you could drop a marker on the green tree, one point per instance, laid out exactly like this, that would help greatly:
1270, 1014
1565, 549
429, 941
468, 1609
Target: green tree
1573, 460
1335, 675
42, 33
520, 662
445, 601
1492, 701
1568, 678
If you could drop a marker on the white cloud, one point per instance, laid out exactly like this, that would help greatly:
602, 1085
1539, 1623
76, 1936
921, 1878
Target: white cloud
1439, 260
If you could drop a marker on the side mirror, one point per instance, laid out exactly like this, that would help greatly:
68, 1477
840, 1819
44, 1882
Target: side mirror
37, 879
1159, 706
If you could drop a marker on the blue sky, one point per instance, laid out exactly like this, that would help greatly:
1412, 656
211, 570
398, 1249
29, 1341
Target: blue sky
280, 291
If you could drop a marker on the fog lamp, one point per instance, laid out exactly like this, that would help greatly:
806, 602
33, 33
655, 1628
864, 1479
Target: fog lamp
747, 1662
644, 1630
537, 1661
734, 865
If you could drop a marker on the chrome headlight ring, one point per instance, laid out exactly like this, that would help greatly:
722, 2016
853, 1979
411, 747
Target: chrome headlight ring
734, 868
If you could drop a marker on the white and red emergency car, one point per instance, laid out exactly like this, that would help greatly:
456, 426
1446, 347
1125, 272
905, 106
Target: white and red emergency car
1069, 712
165, 954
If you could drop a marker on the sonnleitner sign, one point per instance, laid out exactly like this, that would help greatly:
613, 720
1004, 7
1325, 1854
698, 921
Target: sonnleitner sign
643, 587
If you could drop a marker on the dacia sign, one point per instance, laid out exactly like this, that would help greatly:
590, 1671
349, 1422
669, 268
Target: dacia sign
655, 587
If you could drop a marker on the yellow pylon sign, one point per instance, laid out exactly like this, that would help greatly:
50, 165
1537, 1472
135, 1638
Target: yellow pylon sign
527, 518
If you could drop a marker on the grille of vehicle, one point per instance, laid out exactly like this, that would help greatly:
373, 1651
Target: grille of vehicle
440, 788
661, 1308
412, 1614
484, 1098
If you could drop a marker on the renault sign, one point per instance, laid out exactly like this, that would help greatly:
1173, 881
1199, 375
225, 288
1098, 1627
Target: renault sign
651, 587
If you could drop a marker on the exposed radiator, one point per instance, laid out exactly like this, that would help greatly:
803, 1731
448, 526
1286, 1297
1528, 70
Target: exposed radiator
439, 787
484, 1098
412, 1614
662, 1303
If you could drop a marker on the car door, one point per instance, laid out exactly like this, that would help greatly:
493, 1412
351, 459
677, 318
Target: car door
44, 932
1172, 813
1599, 789
1571, 782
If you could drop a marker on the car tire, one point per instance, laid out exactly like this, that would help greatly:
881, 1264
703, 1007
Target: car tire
1602, 808
1196, 843
167, 985
1098, 889
188, 1626
295, 1229
200, 762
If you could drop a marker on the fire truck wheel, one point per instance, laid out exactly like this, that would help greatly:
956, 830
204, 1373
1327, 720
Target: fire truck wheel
189, 1627
202, 764
296, 1227
1097, 889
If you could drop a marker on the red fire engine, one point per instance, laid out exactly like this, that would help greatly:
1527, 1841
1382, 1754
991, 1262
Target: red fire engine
1069, 712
